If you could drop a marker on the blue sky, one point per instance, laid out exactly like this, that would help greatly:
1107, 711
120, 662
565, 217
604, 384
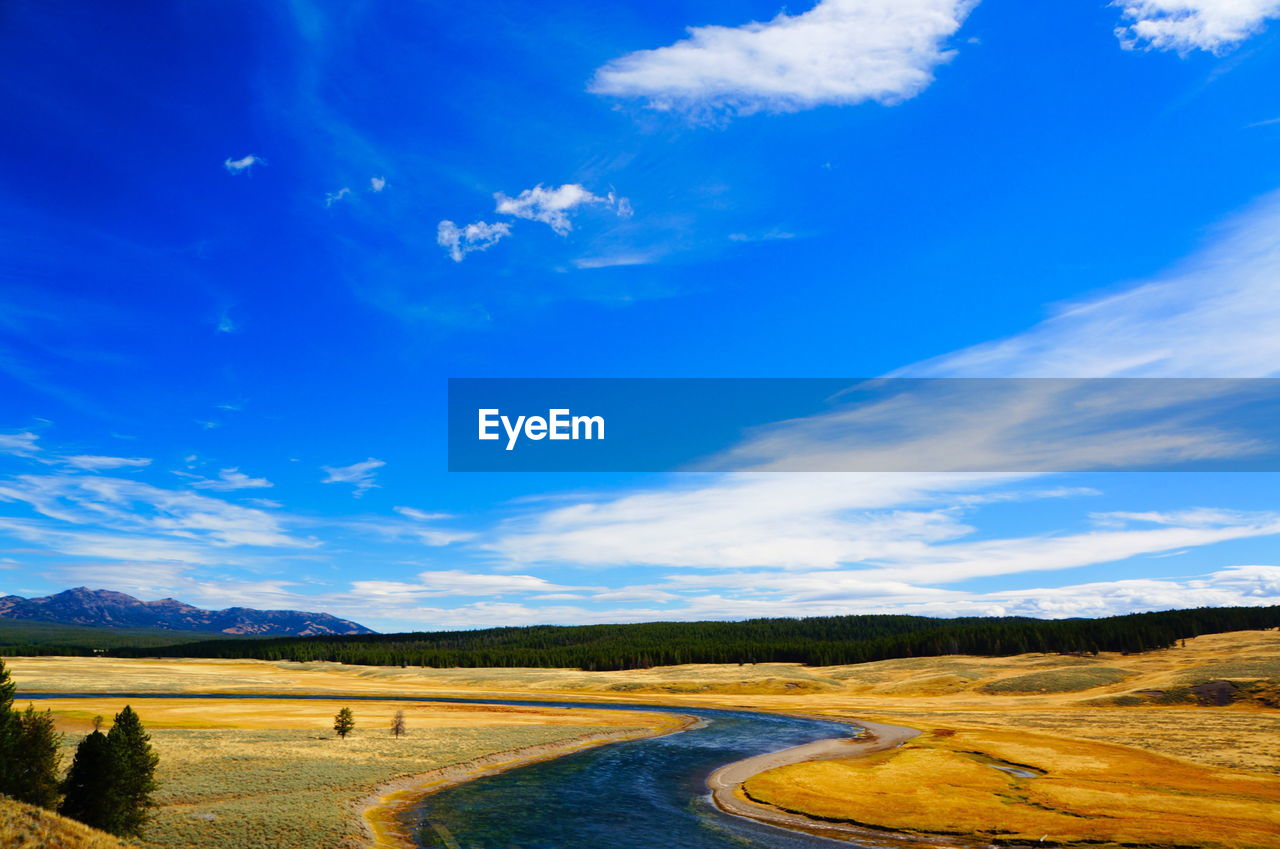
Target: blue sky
246, 244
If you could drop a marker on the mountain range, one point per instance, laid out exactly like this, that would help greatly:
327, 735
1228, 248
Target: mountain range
104, 608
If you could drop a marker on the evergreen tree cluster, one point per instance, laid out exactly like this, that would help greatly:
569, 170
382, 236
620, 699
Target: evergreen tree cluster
816, 641
111, 779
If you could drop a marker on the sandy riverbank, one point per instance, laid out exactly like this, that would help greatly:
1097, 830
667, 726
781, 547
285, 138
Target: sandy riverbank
728, 794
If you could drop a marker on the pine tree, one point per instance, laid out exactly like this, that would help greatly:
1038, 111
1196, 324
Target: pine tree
88, 785
397, 723
344, 722
36, 759
133, 773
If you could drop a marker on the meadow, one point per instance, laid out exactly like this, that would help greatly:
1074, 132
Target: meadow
1015, 786
260, 772
1100, 726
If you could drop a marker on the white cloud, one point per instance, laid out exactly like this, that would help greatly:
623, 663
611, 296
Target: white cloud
359, 475
1185, 25
19, 444
228, 479
455, 582
618, 260
552, 206
225, 324
377, 184
838, 52
829, 521
117, 504
95, 463
331, 198
243, 164
421, 515
477, 236
1216, 315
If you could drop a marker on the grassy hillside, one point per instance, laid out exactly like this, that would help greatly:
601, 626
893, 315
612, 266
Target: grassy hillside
28, 827
18, 637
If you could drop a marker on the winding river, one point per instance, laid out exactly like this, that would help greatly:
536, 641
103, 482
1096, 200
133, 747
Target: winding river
642, 794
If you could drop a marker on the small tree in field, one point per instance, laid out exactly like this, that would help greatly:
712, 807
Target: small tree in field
397, 723
344, 722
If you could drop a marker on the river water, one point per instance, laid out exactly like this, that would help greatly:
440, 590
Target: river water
639, 794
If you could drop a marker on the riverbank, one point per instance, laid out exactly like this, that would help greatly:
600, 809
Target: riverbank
727, 783
383, 811
237, 772
981, 787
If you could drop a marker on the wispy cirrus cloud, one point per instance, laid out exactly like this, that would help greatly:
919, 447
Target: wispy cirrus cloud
228, 479
96, 463
1217, 314
359, 475
127, 505
457, 582
21, 444
838, 52
1214, 26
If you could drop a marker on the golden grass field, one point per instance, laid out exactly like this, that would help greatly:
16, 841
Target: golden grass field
239, 773
28, 827
1157, 704
1074, 792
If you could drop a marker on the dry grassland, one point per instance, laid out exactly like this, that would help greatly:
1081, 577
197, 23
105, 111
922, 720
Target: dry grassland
238, 773
1060, 791
1164, 703
28, 827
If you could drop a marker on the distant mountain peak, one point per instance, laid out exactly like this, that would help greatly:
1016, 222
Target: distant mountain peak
83, 606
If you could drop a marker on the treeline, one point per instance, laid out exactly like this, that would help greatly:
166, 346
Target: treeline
817, 641
112, 777
34, 650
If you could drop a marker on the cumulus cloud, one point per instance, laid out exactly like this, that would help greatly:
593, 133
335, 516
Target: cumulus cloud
377, 184
359, 475
552, 206
244, 164
1214, 26
838, 52
477, 236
